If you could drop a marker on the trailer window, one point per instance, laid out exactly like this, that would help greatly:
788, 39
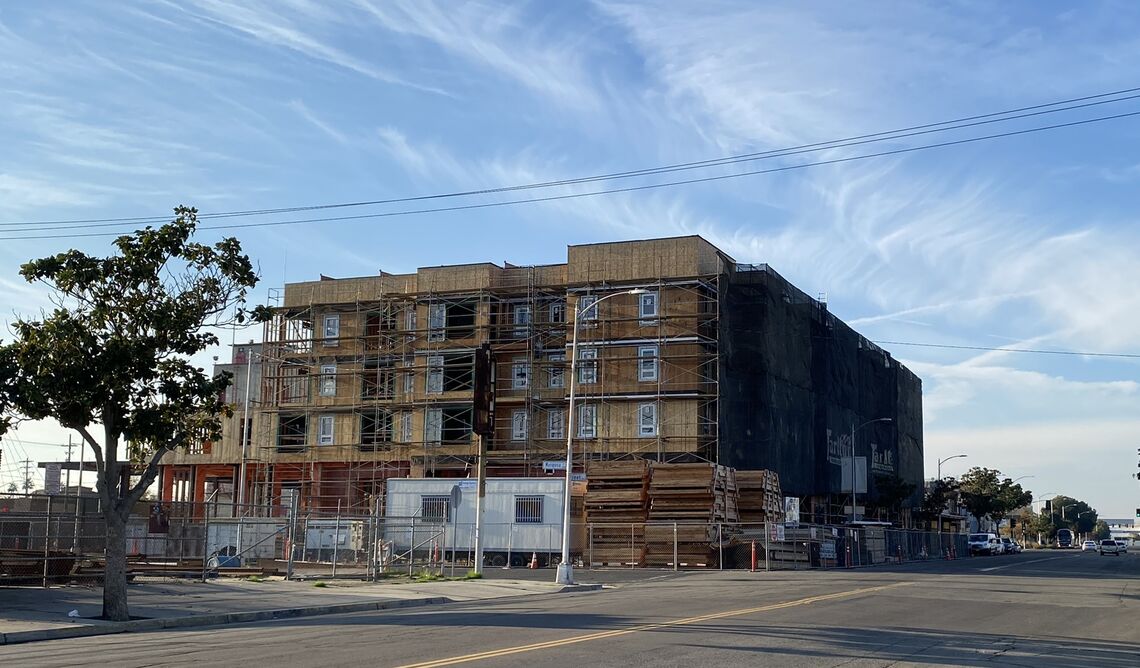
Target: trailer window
435, 508
528, 509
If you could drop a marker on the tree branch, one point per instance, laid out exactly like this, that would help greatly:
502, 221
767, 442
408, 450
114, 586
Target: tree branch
149, 474
100, 467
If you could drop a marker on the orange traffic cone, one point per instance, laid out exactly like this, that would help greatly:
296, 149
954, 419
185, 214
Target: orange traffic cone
534, 560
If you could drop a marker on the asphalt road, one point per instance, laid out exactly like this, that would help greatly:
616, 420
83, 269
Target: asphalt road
1033, 609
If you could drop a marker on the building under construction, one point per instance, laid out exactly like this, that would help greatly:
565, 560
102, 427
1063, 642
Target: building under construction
359, 380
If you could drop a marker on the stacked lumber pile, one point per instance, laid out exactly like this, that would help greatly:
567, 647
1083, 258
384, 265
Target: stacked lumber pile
760, 496
696, 497
616, 505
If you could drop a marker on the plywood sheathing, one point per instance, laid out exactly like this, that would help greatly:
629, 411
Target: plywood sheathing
348, 290
629, 261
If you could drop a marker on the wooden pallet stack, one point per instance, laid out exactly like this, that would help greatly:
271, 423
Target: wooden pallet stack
696, 497
760, 497
616, 509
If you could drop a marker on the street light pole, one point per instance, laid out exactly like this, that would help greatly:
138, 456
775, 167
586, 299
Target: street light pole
853, 430
565, 574
244, 432
943, 461
244, 446
1079, 515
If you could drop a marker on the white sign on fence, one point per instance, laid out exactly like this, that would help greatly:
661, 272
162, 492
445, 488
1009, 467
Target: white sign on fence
827, 549
792, 511
51, 478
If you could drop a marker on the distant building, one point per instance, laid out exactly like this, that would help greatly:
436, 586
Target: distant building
364, 379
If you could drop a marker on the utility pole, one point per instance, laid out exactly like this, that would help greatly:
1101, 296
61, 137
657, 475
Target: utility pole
67, 483
27, 475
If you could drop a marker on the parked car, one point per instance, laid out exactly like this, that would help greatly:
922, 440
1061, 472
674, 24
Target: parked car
1123, 546
984, 543
1010, 546
1109, 547
1088, 546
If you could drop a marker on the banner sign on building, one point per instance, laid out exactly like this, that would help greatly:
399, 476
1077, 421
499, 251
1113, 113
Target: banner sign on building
882, 460
827, 549
860, 475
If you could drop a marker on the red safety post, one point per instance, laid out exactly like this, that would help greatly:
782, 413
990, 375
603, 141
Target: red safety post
898, 548
848, 556
753, 556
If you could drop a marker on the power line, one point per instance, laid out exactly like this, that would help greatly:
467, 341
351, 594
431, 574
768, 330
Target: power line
1034, 351
551, 198
914, 130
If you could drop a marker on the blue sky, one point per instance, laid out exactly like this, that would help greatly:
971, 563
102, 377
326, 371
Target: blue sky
129, 108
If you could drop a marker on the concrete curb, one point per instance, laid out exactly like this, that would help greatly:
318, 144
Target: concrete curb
212, 620
570, 589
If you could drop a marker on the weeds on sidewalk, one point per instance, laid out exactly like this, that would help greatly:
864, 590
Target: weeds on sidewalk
320, 583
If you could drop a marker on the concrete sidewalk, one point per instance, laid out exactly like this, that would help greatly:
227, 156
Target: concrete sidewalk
28, 614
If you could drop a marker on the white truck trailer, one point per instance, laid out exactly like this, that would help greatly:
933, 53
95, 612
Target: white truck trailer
436, 517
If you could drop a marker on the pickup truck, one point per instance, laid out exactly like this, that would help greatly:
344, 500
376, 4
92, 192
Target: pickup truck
1109, 547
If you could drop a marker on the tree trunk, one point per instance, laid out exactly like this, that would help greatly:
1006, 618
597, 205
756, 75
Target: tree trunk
115, 573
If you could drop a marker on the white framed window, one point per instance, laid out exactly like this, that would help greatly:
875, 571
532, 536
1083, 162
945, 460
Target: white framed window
647, 420
406, 427
585, 307
437, 322
332, 329
558, 311
647, 363
328, 380
325, 434
556, 423
556, 374
410, 322
647, 308
587, 366
434, 374
522, 315
520, 371
433, 425
518, 424
528, 509
409, 378
588, 421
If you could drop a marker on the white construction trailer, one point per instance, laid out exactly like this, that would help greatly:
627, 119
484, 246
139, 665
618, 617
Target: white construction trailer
436, 516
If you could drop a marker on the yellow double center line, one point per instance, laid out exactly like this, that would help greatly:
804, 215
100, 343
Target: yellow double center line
602, 635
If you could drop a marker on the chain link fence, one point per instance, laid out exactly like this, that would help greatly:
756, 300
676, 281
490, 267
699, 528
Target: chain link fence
60, 539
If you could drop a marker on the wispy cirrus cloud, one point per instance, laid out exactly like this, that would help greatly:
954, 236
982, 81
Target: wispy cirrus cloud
508, 40
265, 22
304, 112
20, 194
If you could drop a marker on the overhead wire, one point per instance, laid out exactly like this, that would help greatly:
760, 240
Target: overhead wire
568, 196
901, 133
1035, 351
